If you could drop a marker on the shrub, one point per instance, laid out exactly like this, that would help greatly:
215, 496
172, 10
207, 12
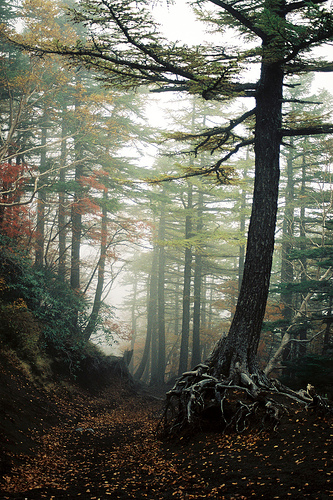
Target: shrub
19, 329
31, 297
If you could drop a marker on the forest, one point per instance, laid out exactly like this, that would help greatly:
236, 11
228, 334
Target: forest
166, 249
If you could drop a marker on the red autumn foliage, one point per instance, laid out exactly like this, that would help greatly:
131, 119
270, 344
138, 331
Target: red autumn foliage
14, 215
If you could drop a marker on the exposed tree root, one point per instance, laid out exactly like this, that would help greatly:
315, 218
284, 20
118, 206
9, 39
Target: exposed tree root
199, 400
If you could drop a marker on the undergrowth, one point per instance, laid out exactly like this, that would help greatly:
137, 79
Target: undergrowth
40, 313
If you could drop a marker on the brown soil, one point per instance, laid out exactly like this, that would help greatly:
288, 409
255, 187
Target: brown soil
68, 443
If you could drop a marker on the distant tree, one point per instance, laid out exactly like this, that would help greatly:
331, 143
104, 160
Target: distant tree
197, 285
149, 348
307, 196
56, 147
185, 335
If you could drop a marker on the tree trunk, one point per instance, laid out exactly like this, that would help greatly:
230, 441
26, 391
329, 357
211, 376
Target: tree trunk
61, 205
302, 231
183, 357
151, 316
241, 257
133, 320
240, 346
41, 201
76, 218
76, 211
328, 328
196, 347
161, 300
92, 323
287, 270
177, 304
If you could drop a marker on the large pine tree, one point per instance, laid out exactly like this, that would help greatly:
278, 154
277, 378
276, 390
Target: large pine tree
278, 35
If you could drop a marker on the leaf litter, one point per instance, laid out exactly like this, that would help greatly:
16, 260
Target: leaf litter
106, 446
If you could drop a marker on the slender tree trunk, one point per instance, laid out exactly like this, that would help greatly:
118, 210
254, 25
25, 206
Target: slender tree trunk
287, 270
196, 347
177, 304
303, 332
41, 202
61, 204
76, 217
161, 300
133, 320
302, 231
328, 328
93, 319
241, 257
154, 346
210, 308
151, 318
183, 357
203, 319
76, 208
240, 347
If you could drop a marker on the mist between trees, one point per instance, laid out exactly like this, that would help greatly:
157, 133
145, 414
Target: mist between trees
241, 168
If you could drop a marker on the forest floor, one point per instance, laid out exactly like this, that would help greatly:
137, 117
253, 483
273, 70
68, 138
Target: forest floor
69, 443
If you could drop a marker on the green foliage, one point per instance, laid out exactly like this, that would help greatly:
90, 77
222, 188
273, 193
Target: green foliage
19, 329
38, 307
313, 369
274, 326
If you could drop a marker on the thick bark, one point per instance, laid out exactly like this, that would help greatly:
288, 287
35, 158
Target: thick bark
241, 344
231, 382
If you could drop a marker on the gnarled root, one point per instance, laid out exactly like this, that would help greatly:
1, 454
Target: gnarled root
199, 400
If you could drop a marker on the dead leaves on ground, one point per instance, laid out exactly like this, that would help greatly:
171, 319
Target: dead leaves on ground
102, 450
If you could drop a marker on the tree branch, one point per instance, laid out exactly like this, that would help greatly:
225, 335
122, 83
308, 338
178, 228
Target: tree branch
245, 21
301, 68
326, 128
221, 130
299, 5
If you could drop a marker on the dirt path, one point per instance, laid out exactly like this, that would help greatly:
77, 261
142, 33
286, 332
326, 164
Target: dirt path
100, 449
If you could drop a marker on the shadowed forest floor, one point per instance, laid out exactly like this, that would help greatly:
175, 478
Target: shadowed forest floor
68, 443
